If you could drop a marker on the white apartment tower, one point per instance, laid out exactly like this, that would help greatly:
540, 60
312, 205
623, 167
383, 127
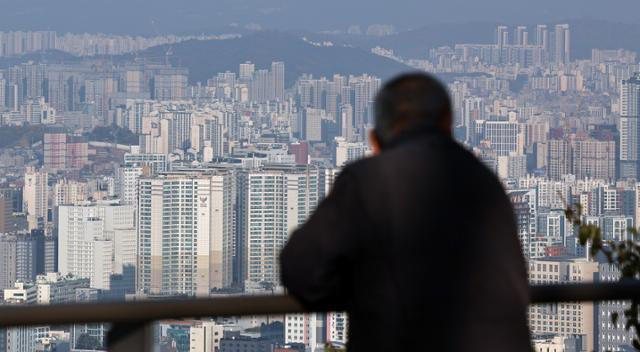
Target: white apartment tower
277, 199
542, 36
23, 339
126, 183
35, 195
213, 132
178, 128
246, 71
68, 192
316, 330
337, 327
184, 231
86, 240
563, 44
347, 129
347, 152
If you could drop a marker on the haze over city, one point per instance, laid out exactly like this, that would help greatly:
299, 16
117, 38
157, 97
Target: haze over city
194, 16
161, 149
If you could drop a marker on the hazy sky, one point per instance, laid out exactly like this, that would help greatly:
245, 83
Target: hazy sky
136, 16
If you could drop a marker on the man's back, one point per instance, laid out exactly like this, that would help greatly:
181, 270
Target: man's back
420, 246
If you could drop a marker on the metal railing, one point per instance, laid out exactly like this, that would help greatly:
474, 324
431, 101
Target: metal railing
131, 320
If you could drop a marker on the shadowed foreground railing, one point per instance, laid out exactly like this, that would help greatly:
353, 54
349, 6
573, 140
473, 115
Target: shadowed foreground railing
131, 320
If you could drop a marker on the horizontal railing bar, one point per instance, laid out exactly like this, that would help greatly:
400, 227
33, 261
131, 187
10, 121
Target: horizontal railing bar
145, 311
601, 291
152, 310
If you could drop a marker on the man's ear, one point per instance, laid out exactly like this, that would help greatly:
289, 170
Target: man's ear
376, 146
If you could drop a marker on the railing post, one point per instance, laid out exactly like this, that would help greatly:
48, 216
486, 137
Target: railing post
131, 337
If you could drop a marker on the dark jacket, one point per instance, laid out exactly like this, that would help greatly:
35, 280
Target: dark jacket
419, 245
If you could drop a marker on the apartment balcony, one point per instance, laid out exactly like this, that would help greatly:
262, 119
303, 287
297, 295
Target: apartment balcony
132, 321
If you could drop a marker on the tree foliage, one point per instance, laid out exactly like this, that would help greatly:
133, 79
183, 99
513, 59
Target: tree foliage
625, 255
23, 136
113, 134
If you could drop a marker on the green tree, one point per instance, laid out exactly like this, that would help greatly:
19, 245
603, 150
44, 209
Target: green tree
625, 255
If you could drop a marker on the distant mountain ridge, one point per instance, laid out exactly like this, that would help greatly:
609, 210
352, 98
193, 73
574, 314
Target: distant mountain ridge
350, 54
586, 34
206, 58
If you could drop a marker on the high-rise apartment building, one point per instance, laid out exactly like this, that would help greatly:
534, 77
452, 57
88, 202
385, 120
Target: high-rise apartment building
55, 150
69, 192
522, 36
3, 93
542, 36
246, 71
185, 241
611, 337
301, 152
473, 110
157, 163
562, 44
15, 43
566, 318
311, 127
316, 330
6, 213
504, 137
24, 255
337, 327
278, 82
77, 155
345, 120
54, 288
629, 137
260, 87
502, 36
347, 152
524, 203
276, 200
62, 151
35, 196
134, 114
23, 339
213, 132
170, 84
307, 329
179, 130
87, 236
126, 182
365, 88
17, 259
558, 158
593, 158
134, 80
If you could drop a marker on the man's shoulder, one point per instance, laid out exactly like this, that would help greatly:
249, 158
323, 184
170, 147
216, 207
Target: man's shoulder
423, 149
365, 168
444, 155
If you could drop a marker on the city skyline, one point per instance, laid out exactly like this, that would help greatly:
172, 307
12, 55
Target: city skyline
153, 172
